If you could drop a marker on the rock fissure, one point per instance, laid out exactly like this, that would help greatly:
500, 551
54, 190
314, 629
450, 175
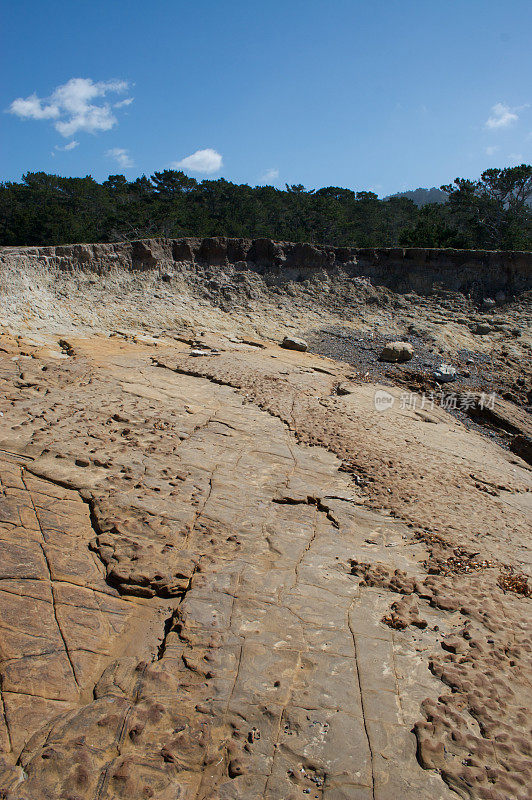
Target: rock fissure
4, 717
360, 688
53, 596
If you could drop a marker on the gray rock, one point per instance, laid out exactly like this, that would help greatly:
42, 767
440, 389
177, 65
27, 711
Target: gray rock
397, 351
488, 302
197, 353
445, 373
482, 329
293, 343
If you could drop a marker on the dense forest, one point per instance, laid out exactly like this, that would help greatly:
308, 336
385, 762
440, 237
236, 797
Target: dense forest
492, 212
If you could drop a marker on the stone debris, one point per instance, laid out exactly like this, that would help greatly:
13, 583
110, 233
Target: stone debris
293, 343
397, 352
195, 353
445, 373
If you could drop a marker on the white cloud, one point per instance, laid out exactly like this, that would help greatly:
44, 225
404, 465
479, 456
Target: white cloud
72, 106
271, 174
205, 161
33, 108
121, 156
491, 150
502, 116
69, 146
65, 149
122, 103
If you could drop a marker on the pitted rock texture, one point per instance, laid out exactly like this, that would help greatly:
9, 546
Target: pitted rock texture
478, 734
181, 612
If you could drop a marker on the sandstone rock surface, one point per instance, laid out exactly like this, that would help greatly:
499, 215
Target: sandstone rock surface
234, 577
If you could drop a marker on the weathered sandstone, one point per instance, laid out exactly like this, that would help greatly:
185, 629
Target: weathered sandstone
233, 576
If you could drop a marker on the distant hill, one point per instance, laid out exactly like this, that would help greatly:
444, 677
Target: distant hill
421, 197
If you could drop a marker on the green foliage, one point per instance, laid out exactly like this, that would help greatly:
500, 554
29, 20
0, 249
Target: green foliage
492, 212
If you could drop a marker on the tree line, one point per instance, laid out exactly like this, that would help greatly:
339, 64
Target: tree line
493, 212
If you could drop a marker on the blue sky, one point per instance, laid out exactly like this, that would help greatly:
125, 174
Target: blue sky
383, 94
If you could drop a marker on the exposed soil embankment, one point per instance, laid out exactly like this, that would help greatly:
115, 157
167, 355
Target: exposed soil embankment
474, 272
